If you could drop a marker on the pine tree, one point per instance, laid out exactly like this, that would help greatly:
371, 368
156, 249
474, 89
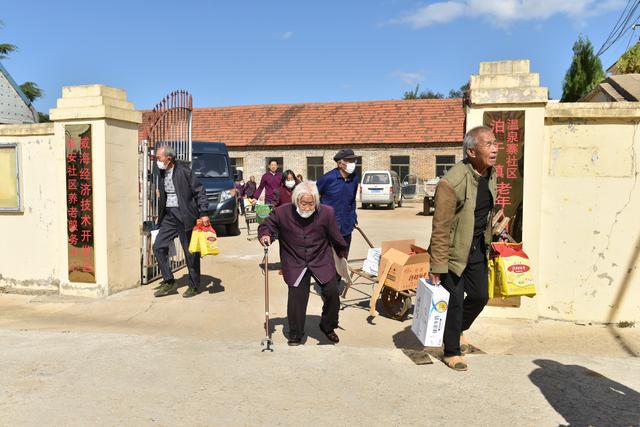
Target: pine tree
584, 73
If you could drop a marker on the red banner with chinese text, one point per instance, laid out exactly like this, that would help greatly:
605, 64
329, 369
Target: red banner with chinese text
79, 204
508, 127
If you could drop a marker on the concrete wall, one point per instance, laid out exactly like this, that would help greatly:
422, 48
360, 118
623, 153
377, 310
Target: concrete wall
581, 197
590, 229
422, 158
34, 253
30, 256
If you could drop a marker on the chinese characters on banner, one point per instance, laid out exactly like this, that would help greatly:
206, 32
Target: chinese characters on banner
508, 127
79, 204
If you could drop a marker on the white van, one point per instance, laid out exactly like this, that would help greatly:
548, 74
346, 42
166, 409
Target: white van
380, 188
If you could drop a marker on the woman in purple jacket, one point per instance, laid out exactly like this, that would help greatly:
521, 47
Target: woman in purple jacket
284, 193
307, 231
269, 182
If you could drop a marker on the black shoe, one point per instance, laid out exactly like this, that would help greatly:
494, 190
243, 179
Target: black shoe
167, 287
331, 336
192, 291
293, 341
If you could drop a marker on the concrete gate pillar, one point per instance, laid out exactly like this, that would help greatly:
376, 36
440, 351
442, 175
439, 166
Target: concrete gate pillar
509, 86
100, 126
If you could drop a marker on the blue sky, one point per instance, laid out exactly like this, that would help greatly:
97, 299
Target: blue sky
258, 52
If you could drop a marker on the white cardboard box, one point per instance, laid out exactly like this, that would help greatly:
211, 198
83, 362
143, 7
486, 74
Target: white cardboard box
430, 313
370, 265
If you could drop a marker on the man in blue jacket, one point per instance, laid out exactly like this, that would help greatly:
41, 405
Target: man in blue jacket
338, 189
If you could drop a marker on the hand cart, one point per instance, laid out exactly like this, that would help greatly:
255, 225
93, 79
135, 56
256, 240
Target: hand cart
395, 302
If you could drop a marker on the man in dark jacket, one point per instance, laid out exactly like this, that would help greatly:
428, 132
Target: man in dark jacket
461, 233
338, 189
307, 231
182, 201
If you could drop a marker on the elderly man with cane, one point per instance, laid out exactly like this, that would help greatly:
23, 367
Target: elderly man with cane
460, 236
307, 231
182, 201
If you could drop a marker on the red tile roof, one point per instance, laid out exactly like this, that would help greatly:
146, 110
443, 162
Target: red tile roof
335, 123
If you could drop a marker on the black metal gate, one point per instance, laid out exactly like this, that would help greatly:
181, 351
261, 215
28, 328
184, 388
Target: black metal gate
168, 124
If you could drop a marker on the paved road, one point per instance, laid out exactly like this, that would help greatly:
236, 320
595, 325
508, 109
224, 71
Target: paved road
131, 359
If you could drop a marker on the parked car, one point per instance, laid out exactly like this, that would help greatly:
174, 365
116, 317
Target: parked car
211, 164
429, 201
412, 187
380, 188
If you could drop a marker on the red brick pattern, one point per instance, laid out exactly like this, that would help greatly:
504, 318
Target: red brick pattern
339, 123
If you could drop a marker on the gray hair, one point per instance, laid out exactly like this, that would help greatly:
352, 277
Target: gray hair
471, 138
168, 150
303, 189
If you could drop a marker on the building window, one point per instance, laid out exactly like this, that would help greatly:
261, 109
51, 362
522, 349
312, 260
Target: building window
400, 165
237, 162
10, 200
444, 163
277, 159
315, 168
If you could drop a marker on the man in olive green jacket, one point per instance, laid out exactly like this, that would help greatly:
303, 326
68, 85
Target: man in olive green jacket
460, 237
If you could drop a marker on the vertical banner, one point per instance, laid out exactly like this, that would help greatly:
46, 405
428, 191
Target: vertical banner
508, 127
80, 204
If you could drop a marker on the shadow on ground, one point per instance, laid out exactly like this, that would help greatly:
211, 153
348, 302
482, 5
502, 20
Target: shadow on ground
210, 284
585, 397
311, 329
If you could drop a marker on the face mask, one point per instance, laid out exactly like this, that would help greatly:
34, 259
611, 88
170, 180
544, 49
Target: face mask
305, 214
161, 165
289, 183
351, 167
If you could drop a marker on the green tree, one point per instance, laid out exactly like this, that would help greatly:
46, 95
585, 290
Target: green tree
584, 73
31, 90
425, 94
6, 48
630, 61
460, 92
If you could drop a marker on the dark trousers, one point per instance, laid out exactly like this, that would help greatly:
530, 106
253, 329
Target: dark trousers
297, 305
170, 228
463, 311
347, 239
240, 203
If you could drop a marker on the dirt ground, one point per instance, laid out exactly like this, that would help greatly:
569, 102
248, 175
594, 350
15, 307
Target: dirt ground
132, 359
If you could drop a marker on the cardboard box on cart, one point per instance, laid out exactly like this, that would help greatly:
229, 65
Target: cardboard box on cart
399, 269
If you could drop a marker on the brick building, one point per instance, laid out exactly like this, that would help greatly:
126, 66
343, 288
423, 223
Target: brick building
421, 137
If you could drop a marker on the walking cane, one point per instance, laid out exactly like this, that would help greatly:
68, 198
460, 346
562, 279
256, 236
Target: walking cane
267, 341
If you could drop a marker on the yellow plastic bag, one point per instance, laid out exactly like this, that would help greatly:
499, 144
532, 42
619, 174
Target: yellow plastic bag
194, 243
511, 270
494, 284
208, 242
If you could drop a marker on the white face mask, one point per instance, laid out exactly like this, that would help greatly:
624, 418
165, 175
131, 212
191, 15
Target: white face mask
161, 165
351, 167
305, 214
289, 183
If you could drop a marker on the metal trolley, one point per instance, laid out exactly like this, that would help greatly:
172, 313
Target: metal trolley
395, 303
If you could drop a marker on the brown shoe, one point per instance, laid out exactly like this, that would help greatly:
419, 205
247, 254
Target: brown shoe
331, 336
465, 347
457, 363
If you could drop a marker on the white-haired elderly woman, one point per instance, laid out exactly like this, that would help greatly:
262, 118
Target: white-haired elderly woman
307, 231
